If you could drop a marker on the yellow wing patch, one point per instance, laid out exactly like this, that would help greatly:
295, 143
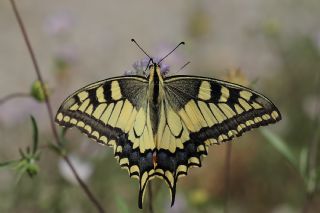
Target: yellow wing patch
172, 131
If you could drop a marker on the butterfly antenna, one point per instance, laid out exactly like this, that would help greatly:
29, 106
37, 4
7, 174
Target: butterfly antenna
181, 68
171, 51
184, 65
150, 61
134, 41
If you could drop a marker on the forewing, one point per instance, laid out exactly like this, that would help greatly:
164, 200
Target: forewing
115, 112
198, 112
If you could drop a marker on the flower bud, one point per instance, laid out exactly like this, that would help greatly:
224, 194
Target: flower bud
38, 92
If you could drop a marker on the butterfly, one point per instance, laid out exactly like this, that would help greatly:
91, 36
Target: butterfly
159, 125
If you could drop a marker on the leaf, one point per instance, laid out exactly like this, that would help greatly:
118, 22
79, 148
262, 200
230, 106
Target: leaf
303, 162
280, 146
318, 178
22, 154
34, 134
122, 206
20, 175
63, 136
8, 163
57, 149
27, 165
312, 181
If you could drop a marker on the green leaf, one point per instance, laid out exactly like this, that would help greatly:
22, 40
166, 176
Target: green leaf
8, 163
280, 146
34, 134
122, 206
28, 157
312, 181
22, 154
57, 149
21, 172
63, 136
303, 162
318, 178
27, 165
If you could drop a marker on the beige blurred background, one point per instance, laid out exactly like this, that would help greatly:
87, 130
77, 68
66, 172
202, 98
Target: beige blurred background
274, 44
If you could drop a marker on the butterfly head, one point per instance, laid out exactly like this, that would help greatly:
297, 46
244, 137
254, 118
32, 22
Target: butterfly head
154, 66
155, 72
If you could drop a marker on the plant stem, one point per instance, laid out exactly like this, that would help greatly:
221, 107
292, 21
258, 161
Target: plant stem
14, 95
150, 197
227, 169
49, 109
312, 156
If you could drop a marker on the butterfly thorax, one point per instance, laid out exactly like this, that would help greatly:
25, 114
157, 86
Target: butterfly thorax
156, 94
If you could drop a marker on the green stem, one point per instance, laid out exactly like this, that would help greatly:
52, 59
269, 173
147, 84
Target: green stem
312, 157
49, 108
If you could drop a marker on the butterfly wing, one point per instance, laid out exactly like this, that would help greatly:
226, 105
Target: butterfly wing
115, 112
198, 112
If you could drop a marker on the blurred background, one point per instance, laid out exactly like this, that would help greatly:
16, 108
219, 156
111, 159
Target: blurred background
271, 46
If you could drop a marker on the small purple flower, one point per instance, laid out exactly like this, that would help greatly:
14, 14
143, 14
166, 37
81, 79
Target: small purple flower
164, 68
58, 23
141, 64
141, 67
